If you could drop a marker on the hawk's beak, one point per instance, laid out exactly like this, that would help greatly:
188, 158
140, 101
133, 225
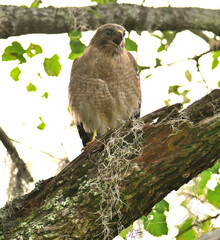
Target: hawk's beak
117, 39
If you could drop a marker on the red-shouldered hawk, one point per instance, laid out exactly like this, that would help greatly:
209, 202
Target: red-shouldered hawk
104, 88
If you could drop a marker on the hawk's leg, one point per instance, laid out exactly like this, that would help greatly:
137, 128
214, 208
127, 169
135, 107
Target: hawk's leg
92, 140
86, 137
93, 137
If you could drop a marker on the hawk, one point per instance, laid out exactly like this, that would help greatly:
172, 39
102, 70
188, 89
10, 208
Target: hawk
104, 88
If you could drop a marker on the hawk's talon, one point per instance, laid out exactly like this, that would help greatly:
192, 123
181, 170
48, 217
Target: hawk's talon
92, 140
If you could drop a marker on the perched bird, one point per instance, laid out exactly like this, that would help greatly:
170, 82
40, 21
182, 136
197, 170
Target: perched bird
104, 88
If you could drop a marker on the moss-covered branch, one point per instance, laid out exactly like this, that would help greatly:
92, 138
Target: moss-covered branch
121, 176
16, 21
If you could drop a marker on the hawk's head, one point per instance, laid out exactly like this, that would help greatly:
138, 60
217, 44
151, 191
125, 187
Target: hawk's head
109, 37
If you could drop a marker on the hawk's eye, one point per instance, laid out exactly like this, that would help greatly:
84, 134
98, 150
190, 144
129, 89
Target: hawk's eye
108, 31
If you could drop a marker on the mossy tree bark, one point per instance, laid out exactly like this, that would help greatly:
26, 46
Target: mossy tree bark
16, 21
121, 176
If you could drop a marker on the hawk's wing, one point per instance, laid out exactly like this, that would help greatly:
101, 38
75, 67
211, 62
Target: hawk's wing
134, 64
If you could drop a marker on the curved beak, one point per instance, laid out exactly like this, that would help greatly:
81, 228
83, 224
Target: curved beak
117, 39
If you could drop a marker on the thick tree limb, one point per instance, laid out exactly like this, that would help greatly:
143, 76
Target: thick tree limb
16, 21
121, 176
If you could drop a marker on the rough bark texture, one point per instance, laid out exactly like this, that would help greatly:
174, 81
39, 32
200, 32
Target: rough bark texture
119, 177
15, 21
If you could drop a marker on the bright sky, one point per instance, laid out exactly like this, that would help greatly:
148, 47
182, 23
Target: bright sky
20, 110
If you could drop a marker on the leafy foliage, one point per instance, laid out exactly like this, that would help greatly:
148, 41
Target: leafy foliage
188, 75
175, 89
124, 232
77, 47
214, 196
45, 95
36, 3
201, 184
33, 50
215, 61
52, 65
14, 52
42, 125
130, 45
215, 169
31, 87
187, 232
155, 223
15, 73
166, 39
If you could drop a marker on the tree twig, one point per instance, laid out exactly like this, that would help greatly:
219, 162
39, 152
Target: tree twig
196, 224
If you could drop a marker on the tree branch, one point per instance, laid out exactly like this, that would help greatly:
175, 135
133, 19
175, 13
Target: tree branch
123, 173
198, 223
19, 163
16, 21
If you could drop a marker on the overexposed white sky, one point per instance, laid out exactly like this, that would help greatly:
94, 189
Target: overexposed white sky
20, 110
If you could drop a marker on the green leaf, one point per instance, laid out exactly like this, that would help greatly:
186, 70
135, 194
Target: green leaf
216, 54
31, 88
45, 95
215, 63
161, 48
157, 226
158, 62
186, 99
174, 89
214, 196
167, 102
33, 50
216, 167
52, 65
146, 77
40, 76
14, 52
188, 235
140, 68
206, 226
162, 206
204, 178
124, 232
15, 73
74, 35
42, 125
157, 36
77, 49
130, 45
218, 83
169, 36
188, 75
35, 3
